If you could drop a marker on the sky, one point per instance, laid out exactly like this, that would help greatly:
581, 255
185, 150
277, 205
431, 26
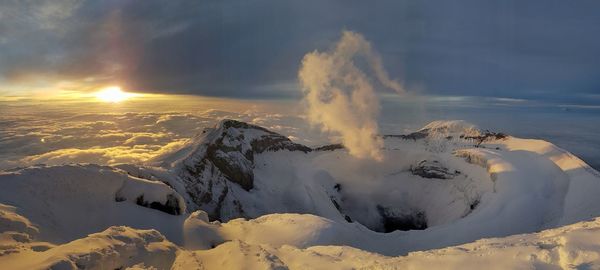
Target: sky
534, 50
316, 71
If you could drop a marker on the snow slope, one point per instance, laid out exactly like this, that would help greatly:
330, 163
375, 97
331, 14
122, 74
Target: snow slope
570, 247
68, 202
114, 248
242, 192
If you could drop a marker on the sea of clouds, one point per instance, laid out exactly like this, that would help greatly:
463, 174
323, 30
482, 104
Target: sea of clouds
57, 133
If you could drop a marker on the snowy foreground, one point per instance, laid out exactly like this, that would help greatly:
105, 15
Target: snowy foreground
241, 197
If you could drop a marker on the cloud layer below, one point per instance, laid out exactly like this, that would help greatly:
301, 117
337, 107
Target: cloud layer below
57, 133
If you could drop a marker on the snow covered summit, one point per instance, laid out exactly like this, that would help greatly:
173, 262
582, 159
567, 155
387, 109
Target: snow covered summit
447, 176
240, 187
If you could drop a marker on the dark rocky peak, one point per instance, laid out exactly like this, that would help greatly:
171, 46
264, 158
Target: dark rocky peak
259, 139
485, 136
230, 148
412, 136
222, 156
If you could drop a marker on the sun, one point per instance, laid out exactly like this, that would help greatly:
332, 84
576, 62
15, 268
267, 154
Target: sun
113, 94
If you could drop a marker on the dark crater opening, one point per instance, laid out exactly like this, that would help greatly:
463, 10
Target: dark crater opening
169, 207
393, 220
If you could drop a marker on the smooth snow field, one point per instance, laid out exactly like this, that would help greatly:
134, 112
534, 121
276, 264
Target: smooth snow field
239, 196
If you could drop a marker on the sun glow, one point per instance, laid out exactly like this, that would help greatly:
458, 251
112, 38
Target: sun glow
113, 94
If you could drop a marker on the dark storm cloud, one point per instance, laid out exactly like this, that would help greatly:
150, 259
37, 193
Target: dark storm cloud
525, 49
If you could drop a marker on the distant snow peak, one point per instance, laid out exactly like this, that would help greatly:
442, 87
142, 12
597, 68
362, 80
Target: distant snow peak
442, 129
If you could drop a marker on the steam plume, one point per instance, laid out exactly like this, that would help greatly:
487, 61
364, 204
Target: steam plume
340, 97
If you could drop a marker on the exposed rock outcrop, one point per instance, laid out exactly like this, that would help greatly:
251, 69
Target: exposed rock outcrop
330, 147
433, 169
226, 157
171, 206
